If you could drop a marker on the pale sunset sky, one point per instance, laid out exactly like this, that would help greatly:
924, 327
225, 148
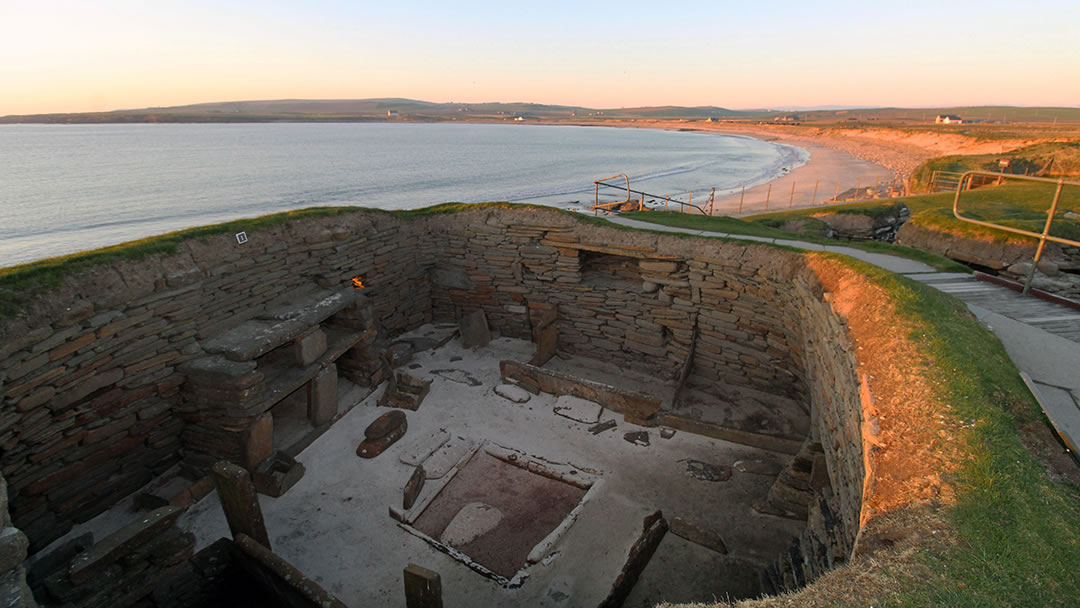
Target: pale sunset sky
62, 56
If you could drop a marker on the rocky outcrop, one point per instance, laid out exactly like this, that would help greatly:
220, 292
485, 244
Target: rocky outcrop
860, 227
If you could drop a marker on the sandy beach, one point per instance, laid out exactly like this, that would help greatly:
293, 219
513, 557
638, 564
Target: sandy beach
841, 160
831, 169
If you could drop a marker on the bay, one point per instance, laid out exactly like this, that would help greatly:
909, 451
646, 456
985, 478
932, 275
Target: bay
68, 188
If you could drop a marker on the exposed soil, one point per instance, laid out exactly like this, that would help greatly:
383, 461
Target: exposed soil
1040, 441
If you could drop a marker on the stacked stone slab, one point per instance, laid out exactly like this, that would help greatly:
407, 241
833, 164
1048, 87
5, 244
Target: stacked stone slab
89, 385
229, 393
129, 565
405, 391
361, 364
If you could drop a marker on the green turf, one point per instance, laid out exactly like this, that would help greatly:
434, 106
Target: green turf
1019, 531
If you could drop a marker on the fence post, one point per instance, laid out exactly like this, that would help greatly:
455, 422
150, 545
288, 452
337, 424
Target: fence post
837, 195
741, 197
768, 195
813, 197
791, 201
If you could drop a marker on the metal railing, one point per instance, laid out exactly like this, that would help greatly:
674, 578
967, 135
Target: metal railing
1043, 237
641, 204
597, 205
800, 194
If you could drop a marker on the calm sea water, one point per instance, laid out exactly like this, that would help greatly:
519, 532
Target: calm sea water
71, 188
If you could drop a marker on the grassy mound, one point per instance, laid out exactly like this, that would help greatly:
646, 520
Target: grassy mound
1047, 158
1020, 205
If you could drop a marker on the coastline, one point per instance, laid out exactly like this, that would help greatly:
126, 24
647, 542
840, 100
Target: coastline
833, 166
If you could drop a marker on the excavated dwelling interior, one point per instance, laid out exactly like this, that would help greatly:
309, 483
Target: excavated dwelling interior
560, 381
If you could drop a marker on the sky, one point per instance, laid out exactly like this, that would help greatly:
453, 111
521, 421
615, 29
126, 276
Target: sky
62, 56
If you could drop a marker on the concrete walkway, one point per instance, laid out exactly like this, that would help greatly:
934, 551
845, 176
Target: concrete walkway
1042, 338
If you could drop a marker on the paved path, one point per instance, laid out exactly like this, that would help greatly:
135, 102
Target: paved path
1042, 338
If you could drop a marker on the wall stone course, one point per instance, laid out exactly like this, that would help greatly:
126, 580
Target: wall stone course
118, 393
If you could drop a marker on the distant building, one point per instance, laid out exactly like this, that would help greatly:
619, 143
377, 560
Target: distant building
519, 118
787, 118
948, 119
391, 114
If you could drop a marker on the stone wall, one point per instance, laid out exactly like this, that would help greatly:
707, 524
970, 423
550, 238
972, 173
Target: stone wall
760, 317
88, 371
14, 592
90, 381
625, 297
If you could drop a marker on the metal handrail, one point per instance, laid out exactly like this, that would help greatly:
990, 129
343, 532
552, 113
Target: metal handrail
1043, 236
667, 199
596, 200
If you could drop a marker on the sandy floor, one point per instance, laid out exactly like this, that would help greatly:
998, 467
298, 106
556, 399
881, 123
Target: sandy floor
334, 523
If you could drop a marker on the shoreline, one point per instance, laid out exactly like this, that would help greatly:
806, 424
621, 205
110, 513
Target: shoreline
829, 169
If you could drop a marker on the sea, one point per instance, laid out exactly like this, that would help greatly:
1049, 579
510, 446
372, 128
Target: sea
70, 188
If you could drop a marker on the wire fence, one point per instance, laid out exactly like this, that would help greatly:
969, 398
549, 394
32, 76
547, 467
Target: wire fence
775, 196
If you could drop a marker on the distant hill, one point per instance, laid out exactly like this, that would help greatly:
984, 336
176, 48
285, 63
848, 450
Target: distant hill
406, 110
998, 114
366, 110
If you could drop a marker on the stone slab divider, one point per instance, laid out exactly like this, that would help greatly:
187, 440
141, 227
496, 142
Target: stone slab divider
637, 406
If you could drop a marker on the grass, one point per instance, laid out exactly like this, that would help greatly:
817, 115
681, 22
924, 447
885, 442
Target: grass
1056, 158
1018, 204
767, 229
1018, 530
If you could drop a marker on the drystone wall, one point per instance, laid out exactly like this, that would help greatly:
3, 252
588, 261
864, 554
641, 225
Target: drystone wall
623, 297
88, 374
14, 592
91, 408
750, 316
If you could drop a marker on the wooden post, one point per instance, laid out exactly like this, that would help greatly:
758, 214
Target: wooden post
837, 195
240, 502
423, 588
741, 197
813, 197
712, 200
791, 201
768, 195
